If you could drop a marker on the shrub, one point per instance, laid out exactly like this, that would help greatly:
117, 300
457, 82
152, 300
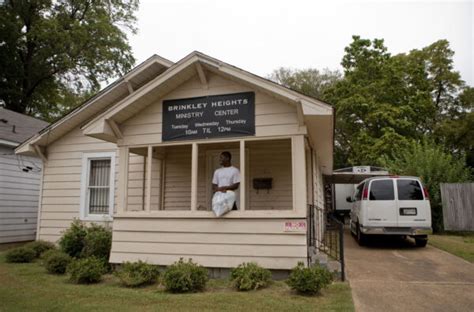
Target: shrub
40, 246
185, 277
20, 255
56, 261
248, 276
72, 241
434, 166
86, 271
97, 242
309, 280
137, 274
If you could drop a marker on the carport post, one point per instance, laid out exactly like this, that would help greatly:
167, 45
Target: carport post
341, 251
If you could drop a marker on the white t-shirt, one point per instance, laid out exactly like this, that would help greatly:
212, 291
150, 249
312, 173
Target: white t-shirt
226, 176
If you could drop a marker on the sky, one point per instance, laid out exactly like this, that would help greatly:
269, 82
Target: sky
260, 36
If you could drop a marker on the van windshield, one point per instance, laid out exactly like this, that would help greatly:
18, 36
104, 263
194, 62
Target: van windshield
381, 190
409, 190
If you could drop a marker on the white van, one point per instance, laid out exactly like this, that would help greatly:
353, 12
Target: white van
391, 205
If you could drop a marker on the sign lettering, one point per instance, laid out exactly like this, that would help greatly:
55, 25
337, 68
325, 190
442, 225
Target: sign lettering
209, 116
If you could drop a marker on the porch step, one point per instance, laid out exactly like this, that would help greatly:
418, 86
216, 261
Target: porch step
325, 261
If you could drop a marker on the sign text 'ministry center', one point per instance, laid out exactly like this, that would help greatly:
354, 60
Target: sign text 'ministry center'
209, 116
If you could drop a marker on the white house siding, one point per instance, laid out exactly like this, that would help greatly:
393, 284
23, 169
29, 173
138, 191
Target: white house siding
19, 194
209, 242
62, 181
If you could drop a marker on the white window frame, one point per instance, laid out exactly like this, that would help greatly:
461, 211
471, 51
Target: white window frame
84, 210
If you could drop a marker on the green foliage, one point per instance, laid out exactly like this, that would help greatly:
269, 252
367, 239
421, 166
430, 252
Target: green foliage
134, 274
86, 271
54, 53
40, 246
20, 255
80, 241
433, 165
184, 276
385, 102
250, 276
72, 241
310, 82
56, 261
97, 242
310, 280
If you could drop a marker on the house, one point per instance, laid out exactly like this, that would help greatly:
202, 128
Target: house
19, 178
140, 155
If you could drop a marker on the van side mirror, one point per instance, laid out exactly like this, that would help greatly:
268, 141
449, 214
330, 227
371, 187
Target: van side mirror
349, 199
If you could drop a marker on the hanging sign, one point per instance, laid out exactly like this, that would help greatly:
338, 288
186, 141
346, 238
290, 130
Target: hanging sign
209, 117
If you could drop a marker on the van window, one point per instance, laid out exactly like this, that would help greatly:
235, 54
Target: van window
358, 194
409, 190
381, 190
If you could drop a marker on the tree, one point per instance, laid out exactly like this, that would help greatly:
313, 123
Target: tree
385, 103
433, 165
310, 82
53, 54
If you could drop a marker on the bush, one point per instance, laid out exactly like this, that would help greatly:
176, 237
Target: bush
185, 277
40, 246
309, 280
72, 241
248, 276
86, 271
20, 255
434, 166
137, 274
97, 242
56, 261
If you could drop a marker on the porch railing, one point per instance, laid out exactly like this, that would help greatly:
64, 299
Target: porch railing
326, 234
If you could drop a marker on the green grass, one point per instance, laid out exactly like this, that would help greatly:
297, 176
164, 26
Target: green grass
27, 287
459, 244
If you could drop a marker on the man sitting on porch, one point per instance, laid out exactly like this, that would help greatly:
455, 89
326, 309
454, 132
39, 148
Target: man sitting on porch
226, 178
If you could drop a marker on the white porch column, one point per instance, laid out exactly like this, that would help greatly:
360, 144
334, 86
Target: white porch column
243, 166
148, 178
298, 173
194, 176
122, 187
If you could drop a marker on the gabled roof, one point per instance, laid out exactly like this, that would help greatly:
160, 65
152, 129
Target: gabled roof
101, 116
16, 127
121, 88
185, 69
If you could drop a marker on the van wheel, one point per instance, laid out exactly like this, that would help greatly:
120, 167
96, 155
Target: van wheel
421, 242
361, 237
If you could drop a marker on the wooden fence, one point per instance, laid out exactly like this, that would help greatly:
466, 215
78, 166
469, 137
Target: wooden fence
458, 206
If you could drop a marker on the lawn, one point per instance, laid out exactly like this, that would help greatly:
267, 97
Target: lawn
27, 287
459, 244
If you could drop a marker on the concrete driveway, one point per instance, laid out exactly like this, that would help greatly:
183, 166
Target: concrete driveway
394, 275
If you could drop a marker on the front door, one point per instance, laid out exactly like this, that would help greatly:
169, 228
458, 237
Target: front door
213, 164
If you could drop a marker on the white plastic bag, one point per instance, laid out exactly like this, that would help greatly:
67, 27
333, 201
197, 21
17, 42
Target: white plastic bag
222, 202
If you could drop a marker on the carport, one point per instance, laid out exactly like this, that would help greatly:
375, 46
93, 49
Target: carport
347, 176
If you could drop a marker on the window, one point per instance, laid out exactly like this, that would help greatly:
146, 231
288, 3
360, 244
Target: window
409, 190
358, 194
381, 190
97, 186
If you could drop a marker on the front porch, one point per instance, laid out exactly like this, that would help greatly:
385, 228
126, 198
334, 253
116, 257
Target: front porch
175, 179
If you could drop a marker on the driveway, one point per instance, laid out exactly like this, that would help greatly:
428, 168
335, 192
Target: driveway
394, 275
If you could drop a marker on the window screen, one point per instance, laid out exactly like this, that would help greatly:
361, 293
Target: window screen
409, 190
99, 186
381, 190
